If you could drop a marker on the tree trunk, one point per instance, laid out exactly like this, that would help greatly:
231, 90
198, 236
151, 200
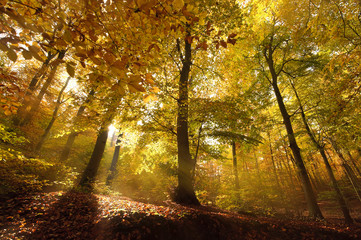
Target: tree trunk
235, 167
313, 207
55, 113
31, 89
112, 169
89, 174
197, 150
354, 163
35, 105
320, 147
71, 138
274, 165
351, 176
185, 192
349, 172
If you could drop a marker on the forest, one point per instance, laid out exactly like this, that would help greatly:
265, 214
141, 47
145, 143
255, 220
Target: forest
180, 119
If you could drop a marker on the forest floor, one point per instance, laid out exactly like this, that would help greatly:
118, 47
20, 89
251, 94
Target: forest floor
70, 215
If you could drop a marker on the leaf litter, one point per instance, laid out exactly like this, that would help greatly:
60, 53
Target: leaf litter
72, 215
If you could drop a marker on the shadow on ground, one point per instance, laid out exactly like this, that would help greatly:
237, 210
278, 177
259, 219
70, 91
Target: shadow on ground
73, 216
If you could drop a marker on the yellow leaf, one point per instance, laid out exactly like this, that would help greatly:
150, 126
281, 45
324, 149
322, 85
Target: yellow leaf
109, 58
149, 78
3, 2
137, 87
178, 4
155, 89
12, 55
149, 97
3, 47
70, 70
95, 60
7, 112
26, 54
132, 89
67, 36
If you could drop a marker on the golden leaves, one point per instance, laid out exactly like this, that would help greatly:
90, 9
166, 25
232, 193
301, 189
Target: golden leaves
67, 36
109, 58
178, 4
70, 69
3, 3
150, 97
27, 54
35, 50
202, 45
12, 55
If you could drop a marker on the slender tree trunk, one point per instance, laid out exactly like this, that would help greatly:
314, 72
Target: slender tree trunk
112, 169
185, 192
55, 114
349, 172
339, 196
113, 139
235, 166
197, 150
313, 207
256, 161
354, 163
274, 165
35, 105
31, 89
71, 138
88, 176
287, 163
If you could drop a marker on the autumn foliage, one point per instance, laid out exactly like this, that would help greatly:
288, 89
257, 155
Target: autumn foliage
246, 106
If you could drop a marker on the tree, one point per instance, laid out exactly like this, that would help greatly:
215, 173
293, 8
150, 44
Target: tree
320, 148
112, 169
53, 118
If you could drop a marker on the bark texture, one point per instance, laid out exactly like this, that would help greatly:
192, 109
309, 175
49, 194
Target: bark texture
184, 193
112, 169
88, 177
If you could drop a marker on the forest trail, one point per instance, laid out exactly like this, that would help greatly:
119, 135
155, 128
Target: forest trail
60, 215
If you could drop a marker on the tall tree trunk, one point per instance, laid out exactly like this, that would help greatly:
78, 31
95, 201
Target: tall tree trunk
274, 165
31, 89
112, 169
71, 138
55, 114
89, 174
320, 147
113, 139
313, 207
35, 105
185, 192
235, 166
257, 164
349, 172
197, 150
354, 163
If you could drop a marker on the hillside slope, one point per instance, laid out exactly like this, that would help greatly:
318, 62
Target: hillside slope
72, 215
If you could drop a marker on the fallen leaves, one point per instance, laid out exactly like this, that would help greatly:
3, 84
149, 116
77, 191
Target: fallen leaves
72, 215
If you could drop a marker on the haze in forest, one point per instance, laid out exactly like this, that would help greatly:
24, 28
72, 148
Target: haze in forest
248, 106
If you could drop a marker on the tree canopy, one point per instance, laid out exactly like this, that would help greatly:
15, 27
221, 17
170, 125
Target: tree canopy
245, 105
